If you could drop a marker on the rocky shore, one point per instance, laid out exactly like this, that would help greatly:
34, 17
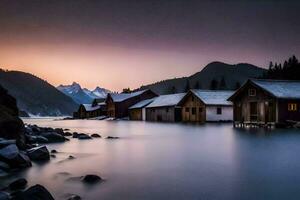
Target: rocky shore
22, 144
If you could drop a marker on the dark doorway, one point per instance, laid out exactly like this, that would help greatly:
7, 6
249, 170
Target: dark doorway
253, 111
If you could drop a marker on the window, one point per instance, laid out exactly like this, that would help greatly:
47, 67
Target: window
200, 110
219, 111
194, 111
252, 92
167, 109
187, 109
292, 107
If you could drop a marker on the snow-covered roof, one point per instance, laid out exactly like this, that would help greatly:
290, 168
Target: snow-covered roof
119, 97
90, 107
142, 104
166, 100
280, 88
214, 97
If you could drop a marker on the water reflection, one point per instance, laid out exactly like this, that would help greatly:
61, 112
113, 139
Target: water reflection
172, 161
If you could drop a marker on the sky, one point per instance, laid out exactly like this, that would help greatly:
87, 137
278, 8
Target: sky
129, 43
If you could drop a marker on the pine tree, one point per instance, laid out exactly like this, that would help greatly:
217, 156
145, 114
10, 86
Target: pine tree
197, 85
187, 86
237, 85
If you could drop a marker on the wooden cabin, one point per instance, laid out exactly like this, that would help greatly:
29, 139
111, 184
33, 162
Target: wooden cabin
118, 104
90, 111
138, 110
266, 102
206, 106
165, 108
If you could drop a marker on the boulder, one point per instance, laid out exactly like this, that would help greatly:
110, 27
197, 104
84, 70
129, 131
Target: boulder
95, 135
4, 196
3, 173
91, 179
83, 136
36, 192
15, 158
38, 153
59, 131
53, 156
18, 184
4, 143
71, 157
75, 135
53, 137
67, 134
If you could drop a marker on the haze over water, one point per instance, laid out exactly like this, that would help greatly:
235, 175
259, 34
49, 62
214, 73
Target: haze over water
172, 161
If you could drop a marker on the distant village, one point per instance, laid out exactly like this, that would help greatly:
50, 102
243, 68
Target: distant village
258, 102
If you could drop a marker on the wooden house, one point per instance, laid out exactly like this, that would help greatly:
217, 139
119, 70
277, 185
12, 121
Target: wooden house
90, 111
165, 108
138, 110
267, 102
118, 104
206, 105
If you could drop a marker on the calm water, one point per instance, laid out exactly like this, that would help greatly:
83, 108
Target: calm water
172, 161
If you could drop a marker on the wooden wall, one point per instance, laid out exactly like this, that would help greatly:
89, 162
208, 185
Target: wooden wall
166, 114
192, 103
283, 112
266, 106
135, 114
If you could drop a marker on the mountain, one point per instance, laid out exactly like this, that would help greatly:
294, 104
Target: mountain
223, 76
35, 95
82, 95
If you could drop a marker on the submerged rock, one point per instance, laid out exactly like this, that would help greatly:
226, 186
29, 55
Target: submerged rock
39, 153
18, 184
83, 136
91, 179
53, 151
71, 157
67, 134
95, 135
36, 192
75, 135
4, 166
53, 137
112, 137
73, 197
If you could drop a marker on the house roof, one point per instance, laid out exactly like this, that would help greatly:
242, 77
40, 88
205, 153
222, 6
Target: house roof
119, 97
214, 97
166, 100
142, 104
282, 89
90, 107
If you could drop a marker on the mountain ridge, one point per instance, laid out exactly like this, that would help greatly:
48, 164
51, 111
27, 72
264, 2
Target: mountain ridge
35, 95
232, 74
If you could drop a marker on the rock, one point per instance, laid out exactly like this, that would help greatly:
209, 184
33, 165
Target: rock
4, 166
38, 139
53, 151
83, 136
91, 179
4, 143
15, 158
111, 137
95, 135
67, 134
53, 137
53, 156
75, 135
3, 173
74, 197
18, 184
59, 131
4, 196
39, 153
36, 192
71, 157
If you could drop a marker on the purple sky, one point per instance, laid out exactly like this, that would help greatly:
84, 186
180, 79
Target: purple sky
120, 43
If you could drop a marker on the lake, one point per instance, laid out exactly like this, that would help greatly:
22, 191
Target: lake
171, 161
